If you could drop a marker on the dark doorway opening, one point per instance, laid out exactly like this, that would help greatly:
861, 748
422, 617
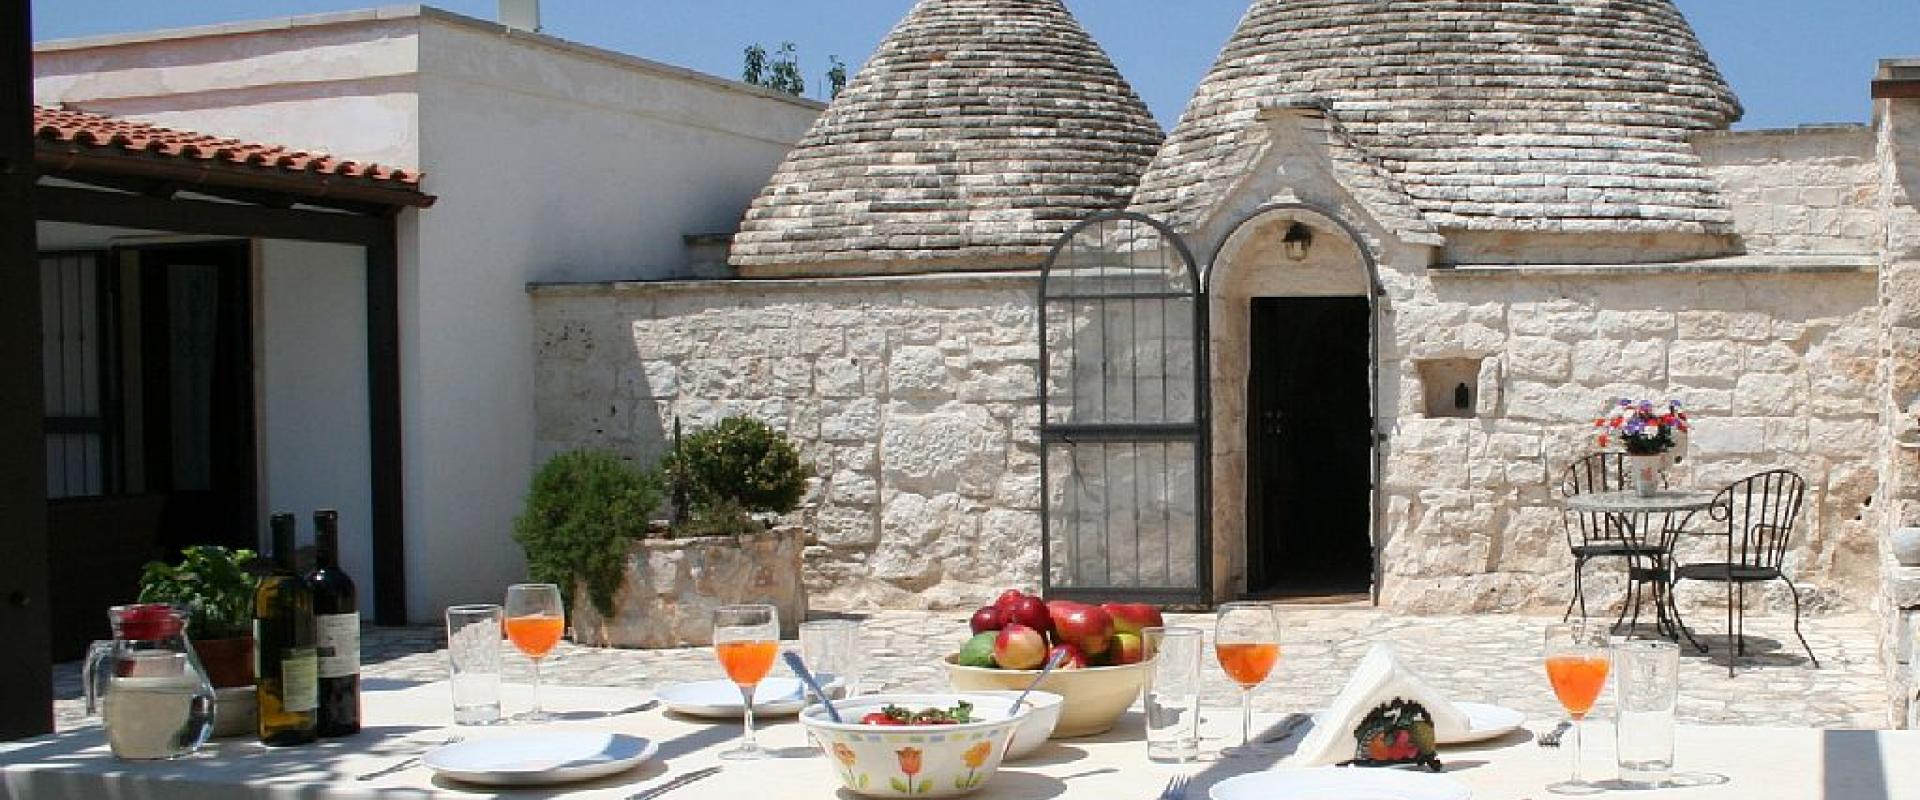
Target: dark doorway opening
196, 371
1309, 447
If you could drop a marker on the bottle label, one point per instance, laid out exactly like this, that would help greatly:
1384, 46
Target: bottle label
338, 639
299, 681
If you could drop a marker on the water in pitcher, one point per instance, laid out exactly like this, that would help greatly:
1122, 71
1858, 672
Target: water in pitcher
155, 717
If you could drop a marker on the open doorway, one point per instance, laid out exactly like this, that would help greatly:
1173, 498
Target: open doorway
1309, 447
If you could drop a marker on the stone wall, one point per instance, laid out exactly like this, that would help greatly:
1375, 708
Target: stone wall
914, 398
1804, 190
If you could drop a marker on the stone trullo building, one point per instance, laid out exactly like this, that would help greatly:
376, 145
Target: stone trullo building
1373, 290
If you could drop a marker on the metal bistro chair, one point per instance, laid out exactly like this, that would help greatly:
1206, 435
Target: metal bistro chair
1592, 535
1759, 511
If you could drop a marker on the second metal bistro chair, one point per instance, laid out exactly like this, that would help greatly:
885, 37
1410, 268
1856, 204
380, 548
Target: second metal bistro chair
1760, 511
1595, 535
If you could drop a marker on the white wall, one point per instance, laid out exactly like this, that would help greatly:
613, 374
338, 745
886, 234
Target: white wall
311, 334
551, 161
550, 165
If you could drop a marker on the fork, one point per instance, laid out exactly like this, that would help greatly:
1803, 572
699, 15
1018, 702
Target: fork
1176, 788
1552, 738
407, 763
698, 774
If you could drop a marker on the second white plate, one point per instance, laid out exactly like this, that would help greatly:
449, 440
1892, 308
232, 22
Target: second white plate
1340, 783
538, 759
775, 697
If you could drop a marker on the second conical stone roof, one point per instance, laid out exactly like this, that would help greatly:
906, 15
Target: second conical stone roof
978, 132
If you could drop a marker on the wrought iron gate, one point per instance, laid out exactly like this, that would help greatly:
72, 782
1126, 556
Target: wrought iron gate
1123, 420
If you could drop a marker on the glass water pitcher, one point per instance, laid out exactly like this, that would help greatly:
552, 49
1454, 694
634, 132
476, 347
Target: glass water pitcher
147, 685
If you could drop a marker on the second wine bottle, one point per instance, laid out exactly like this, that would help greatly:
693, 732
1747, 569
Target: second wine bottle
336, 621
285, 664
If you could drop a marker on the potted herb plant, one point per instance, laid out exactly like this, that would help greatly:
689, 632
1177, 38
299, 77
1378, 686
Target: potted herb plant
730, 483
216, 586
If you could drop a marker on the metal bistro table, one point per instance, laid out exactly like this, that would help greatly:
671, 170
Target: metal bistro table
1651, 562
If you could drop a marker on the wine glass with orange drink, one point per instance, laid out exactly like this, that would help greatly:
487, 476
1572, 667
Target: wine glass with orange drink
1578, 660
746, 639
535, 620
1246, 640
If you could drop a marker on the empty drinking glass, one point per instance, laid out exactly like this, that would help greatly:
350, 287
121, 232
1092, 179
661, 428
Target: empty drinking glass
1172, 698
1647, 690
832, 650
473, 656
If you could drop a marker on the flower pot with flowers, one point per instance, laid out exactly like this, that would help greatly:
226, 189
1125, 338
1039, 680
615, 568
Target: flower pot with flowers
1647, 433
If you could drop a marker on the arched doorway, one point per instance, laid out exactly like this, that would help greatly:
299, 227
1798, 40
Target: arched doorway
1292, 293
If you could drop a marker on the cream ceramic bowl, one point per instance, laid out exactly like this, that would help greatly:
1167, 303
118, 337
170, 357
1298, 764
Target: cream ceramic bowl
1092, 698
1038, 726
913, 760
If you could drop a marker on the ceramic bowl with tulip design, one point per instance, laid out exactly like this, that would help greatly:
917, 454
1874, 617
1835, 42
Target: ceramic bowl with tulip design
914, 760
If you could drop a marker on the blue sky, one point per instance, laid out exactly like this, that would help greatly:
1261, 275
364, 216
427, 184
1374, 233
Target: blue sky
1791, 61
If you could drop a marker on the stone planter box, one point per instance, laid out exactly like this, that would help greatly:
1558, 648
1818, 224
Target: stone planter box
672, 587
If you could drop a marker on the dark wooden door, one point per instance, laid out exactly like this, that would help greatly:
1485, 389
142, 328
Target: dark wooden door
1309, 447
197, 381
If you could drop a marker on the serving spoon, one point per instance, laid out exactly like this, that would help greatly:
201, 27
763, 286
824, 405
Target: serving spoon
799, 667
1058, 656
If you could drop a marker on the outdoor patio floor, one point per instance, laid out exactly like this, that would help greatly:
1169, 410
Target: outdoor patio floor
1489, 658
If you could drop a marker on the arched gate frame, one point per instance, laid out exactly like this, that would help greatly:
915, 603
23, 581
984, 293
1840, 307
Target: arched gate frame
1124, 416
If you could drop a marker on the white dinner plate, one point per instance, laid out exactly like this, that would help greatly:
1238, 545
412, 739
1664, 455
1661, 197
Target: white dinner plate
537, 759
1340, 783
1484, 721
775, 697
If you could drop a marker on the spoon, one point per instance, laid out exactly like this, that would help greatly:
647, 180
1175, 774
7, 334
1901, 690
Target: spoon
1058, 656
799, 667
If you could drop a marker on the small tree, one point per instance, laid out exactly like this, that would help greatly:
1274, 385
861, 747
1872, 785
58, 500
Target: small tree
737, 467
583, 509
779, 72
836, 77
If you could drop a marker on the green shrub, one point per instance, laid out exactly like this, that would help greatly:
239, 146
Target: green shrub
720, 518
741, 460
215, 585
583, 509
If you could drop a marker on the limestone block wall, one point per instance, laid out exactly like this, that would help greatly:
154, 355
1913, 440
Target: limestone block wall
1803, 190
1778, 369
914, 398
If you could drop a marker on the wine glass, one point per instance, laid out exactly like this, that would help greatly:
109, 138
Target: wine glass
535, 621
1577, 665
1246, 640
746, 639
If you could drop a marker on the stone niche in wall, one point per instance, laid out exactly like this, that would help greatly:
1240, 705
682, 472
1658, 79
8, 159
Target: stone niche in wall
1451, 387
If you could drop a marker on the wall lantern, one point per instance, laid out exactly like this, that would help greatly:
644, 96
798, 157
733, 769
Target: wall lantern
1297, 242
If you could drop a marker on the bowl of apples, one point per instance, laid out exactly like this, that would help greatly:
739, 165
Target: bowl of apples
1100, 675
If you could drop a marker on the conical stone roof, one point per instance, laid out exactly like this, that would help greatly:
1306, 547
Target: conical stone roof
1495, 115
974, 137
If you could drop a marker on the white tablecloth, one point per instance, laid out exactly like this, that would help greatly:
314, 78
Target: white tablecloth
1757, 763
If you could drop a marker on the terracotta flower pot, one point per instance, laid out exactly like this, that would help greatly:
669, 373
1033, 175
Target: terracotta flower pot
229, 662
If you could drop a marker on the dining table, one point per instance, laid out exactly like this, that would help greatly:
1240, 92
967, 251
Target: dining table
403, 721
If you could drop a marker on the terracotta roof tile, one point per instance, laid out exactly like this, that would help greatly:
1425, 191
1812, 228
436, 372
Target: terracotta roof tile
102, 132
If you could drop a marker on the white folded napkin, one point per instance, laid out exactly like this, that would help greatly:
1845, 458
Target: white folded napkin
1381, 678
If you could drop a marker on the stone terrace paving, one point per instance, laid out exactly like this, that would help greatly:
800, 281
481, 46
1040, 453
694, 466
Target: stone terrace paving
1490, 658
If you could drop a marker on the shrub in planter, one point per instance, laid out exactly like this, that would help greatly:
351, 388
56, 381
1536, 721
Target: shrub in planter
738, 467
582, 511
216, 587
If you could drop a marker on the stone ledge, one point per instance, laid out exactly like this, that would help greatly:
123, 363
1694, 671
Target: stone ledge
864, 282
1839, 263
1906, 588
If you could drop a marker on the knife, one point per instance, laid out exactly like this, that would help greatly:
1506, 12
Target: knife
698, 774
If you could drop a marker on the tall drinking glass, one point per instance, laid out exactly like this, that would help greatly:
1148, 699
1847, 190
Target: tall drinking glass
535, 622
746, 639
1646, 687
832, 650
473, 661
1246, 640
1578, 661
1172, 697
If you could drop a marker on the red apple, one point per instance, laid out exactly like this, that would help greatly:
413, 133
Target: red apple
1006, 601
1031, 612
1074, 660
1083, 626
1019, 647
1127, 648
1133, 617
986, 619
